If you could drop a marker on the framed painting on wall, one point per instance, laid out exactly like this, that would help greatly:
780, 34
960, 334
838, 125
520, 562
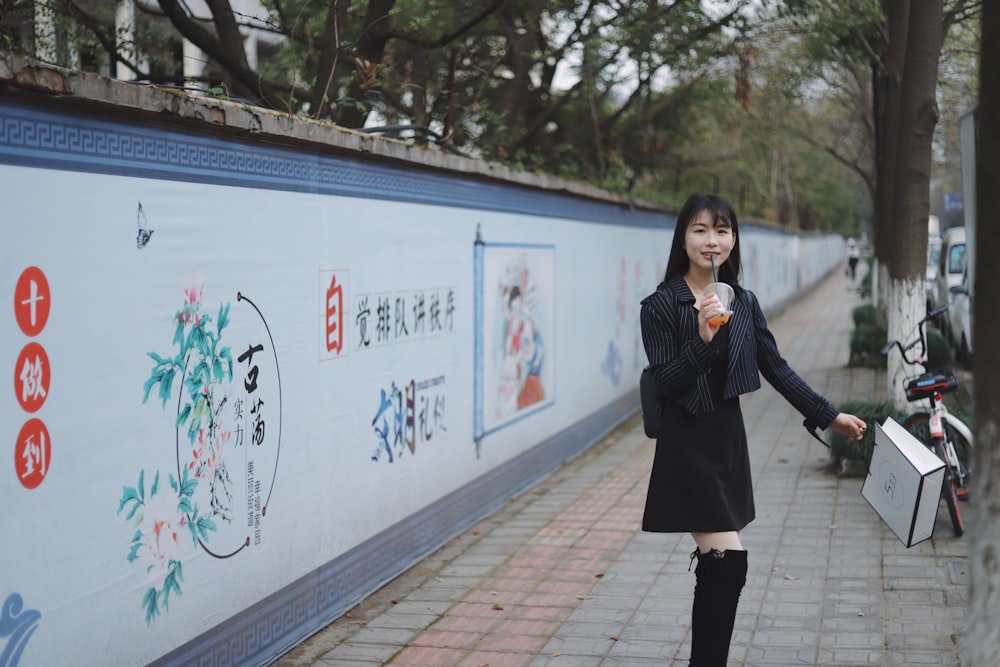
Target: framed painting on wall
515, 329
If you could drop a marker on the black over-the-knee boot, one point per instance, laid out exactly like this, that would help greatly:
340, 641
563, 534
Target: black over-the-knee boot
720, 577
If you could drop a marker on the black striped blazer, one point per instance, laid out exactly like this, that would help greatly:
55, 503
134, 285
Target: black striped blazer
680, 359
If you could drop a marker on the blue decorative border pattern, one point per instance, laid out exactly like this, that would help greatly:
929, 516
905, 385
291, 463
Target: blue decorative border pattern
38, 137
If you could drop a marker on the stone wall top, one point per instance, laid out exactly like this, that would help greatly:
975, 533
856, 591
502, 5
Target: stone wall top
31, 79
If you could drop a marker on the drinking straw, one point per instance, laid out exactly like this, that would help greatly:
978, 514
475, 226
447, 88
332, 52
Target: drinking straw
715, 278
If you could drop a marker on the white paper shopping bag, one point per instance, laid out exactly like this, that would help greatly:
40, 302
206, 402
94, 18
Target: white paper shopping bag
904, 483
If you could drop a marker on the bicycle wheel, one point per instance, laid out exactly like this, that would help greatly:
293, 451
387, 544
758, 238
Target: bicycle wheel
919, 425
950, 497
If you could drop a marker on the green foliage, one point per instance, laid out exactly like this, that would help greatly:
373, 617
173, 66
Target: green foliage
867, 342
148, 545
872, 412
866, 281
135, 496
846, 30
201, 356
154, 599
766, 103
959, 405
939, 352
218, 92
864, 315
205, 366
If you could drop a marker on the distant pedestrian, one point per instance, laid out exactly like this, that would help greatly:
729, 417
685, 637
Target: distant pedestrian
853, 256
700, 481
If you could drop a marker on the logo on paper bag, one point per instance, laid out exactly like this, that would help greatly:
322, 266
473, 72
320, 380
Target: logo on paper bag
889, 483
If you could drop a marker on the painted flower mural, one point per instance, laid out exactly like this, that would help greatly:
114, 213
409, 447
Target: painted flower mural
168, 521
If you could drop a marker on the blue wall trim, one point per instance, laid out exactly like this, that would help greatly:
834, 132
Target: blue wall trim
35, 136
261, 633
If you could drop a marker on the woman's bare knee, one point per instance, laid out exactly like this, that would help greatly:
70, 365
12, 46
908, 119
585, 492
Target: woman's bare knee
721, 541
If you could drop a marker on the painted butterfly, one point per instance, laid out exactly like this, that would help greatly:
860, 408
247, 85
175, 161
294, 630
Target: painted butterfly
145, 233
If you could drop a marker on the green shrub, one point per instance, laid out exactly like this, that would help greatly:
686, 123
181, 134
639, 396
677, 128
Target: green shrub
864, 315
939, 351
866, 280
867, 342
959, 407
843, 448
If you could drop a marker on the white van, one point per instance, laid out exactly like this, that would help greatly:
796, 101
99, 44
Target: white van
960, 317
933, 259
951, 264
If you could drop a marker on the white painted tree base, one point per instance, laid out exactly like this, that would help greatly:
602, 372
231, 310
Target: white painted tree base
907, 306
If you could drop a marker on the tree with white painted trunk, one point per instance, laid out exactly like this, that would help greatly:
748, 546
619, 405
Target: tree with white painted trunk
917, 114
898, 44
906, 113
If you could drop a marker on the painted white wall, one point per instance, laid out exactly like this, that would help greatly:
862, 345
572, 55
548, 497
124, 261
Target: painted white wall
115, 296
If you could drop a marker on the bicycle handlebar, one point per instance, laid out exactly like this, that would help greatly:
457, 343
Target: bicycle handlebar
932, 314
902, 350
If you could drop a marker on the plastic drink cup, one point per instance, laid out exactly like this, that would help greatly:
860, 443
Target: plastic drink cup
726, 296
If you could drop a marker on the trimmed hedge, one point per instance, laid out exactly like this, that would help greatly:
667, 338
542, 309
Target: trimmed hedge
842, 448
939, 350
864, 315
866, 280
867, 342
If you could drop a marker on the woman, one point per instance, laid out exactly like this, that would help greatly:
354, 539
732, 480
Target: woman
700, 481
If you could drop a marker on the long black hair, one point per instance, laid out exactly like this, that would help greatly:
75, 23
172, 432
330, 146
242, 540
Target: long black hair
723, 215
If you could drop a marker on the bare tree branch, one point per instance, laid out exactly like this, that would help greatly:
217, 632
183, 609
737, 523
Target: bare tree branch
271, 94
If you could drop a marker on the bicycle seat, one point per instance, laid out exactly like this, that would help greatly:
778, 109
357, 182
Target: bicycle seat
928, 384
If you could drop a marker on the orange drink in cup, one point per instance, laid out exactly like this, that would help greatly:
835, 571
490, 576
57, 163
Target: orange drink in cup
726, 296
719, 320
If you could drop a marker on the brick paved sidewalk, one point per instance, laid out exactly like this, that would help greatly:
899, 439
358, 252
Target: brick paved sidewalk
563, 577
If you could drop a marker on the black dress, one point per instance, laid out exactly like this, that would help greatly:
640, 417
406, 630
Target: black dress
700, 481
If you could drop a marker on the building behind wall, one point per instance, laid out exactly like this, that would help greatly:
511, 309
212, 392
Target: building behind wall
146, 46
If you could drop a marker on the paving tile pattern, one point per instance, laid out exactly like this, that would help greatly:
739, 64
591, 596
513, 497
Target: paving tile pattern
563, 577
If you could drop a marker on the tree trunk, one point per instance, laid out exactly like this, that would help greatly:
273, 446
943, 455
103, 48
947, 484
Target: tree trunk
523, 103
888, 85
231, 41
918, 114
324, 90
983, 641
369, 53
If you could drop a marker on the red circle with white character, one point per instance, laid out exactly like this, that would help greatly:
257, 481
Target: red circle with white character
32, 377
32, 453
32, 301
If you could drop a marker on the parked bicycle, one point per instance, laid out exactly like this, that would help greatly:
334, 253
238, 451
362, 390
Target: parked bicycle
944, 434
